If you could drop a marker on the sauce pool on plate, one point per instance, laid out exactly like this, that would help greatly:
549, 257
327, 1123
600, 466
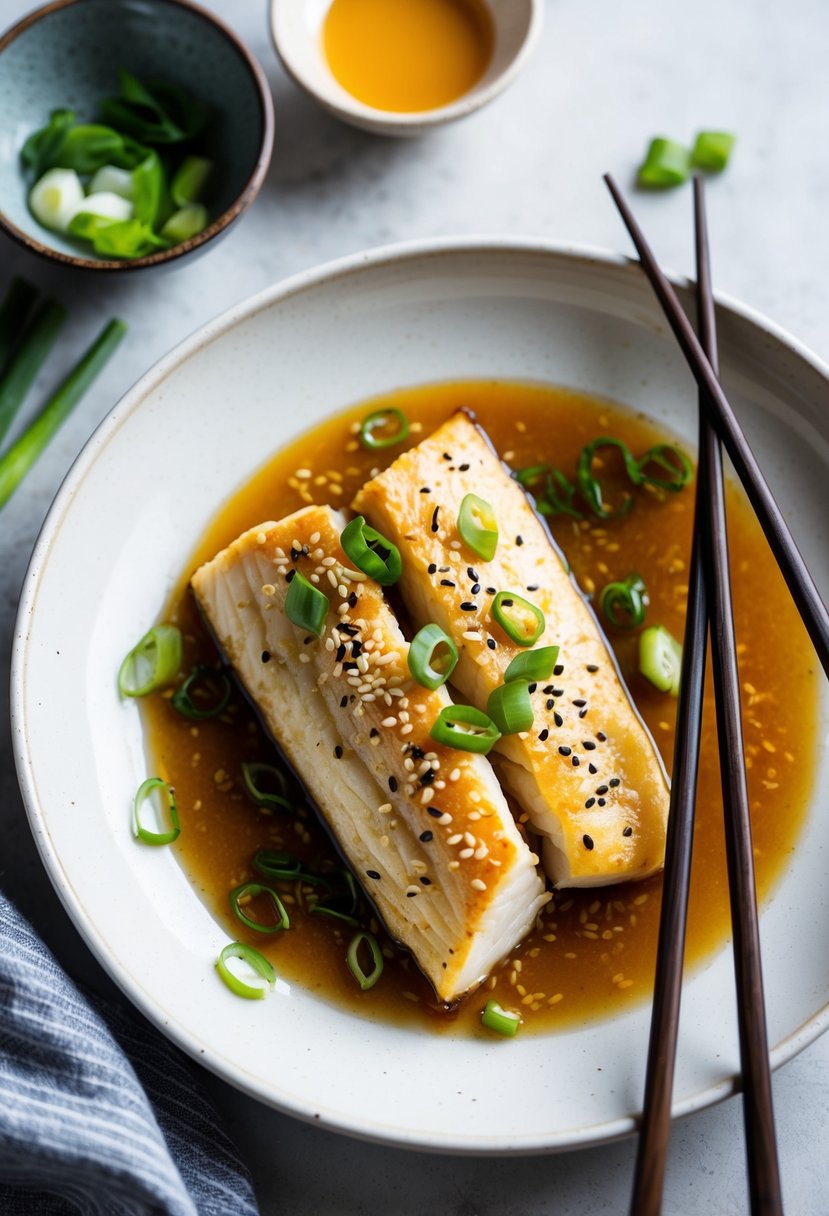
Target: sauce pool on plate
408, 55
592, 951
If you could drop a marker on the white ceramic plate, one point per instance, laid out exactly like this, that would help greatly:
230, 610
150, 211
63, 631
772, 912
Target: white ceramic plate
121, 528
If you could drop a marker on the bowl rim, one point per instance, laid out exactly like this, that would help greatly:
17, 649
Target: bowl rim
338, 270
408, 122
243, 199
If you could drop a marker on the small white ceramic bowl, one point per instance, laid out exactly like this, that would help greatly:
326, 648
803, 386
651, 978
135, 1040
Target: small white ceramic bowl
296, 28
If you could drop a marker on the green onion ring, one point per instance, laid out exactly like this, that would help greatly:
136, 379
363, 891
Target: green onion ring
660, 659
256, 961
712, 150
521, 621
160, 650
253, 889
532, 665
466, 729
371, 552
591, 487
429, 671
286, 867
624, 603
478, 527
502, 1021
182, 700
145, 789
321, 909
366, 979
252, 772
379, 420
305, 605
509, 707
669, 457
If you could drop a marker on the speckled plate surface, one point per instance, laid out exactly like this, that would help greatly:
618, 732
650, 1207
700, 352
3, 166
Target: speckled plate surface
120, 530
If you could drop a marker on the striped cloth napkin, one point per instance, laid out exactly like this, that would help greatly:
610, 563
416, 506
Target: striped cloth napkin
98, 1112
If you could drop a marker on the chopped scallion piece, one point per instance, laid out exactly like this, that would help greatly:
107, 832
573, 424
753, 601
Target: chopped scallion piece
502, 1021
284, 866
478, 527
383, 429
672, 460
660, 658
145, 791
520, 620
366, 979
305, 605
509, 707
153, 663
371, 552
185, 223
318, 908
667, 163
55, 198
623, 603
532, 665
204, 683
190, 179
257, 963
712, 150
552, 491
466, 729
432, 656
591, 487
250, 890
257, 776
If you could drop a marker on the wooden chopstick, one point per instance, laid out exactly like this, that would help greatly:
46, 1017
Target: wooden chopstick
709, 597
801, 585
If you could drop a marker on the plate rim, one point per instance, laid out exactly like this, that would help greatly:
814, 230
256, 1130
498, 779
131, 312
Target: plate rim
182, 1036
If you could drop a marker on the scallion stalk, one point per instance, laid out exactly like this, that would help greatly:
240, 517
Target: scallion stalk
371, 552
253, 889
478, 527
510, 708
383, 429
254, 773
660, 659
305, 605
284, 867
667, 163
623, 603
433, 656
23, 365
16, 462
712, 150
521, 621
532, 665
257, 963
152, 663
366, 979
466, 729
145, 791
203, 682
502, 1021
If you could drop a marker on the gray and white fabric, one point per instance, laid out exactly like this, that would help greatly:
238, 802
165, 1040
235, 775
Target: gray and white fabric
99, 1114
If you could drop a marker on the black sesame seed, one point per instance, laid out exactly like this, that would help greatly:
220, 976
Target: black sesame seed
393, 784
352, 600
426, 836
266, 656
602, 802
519, 540
576, 762
587, 841
435, 519
425, 490
564, 750
446, 582
491, 643
590, 802
289, 576
532, 687
464, 468
428, 777
435, 812
431, 568
356, 648
614, 781
446, 456
550, 703
411, 894
591, 768
588, 745
343, 702
601, 789
548, 688
472, 574
557, 718
579, 701
582, 713
295, 553
338, 752
591, 667
340, 652
532, 586
558, 669
544, 735
468, 606
491, 591
628, 831
417, 752
475, 588
372, 874
427, 882
557, 692
601, 736
444, 569
373, 733
350, 666
307, 641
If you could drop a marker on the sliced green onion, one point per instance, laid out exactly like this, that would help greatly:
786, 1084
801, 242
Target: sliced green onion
478, 527
591, 487
660, 658
509, 707
26, 359
145, 791
383, 429
667, 163
284, 866
16, 462
532, 665
502, 1021
203, 682
529, 476
305, 605
712, 150
190, 179
319, 908
366, 979
256, 961
466, 729
624, 603
254, 773
432, 656
185, 223
555, 496
56, 197
371, 552
520, 620
153, 663
253, 889
670, 458
104, 206
112, 180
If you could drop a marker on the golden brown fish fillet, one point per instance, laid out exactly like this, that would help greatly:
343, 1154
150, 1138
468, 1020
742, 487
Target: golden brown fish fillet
426, 829
587, 772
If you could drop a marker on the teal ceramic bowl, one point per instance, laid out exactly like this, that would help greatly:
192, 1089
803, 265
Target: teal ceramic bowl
67, 54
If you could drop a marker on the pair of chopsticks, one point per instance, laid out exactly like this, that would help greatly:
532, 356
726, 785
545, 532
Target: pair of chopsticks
710, 608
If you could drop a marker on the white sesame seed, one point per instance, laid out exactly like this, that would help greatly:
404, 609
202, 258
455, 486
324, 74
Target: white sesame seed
313, 539
407, 729
385, 809
389, 722
304, 658
455, 774
427, 796
456, 838
478, 884
303, 475
471, 635
465, 853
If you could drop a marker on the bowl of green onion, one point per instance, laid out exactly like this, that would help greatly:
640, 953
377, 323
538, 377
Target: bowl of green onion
135, 131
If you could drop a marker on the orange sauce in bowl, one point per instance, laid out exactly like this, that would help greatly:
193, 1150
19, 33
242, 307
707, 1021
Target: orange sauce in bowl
408, 55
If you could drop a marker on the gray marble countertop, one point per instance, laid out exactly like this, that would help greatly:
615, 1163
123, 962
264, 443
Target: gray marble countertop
605, 77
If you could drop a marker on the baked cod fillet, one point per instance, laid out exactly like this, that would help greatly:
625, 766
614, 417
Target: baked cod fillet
426, 829
587, 772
